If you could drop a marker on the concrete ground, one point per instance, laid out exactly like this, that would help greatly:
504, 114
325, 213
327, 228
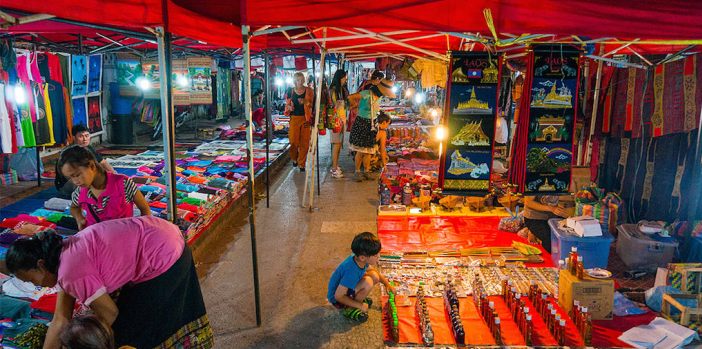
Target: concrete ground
297, 252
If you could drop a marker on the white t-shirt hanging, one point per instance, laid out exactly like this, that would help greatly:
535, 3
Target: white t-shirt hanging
5, 129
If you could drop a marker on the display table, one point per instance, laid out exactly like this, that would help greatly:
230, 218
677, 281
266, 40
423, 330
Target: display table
436, 233
440, 211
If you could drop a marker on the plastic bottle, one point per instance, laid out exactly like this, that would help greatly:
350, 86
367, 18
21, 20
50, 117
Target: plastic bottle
385, 195
580, 269
561, 332
407, 195
581, 320
529, 328
573, 313
573, 259
497, 332
587, 327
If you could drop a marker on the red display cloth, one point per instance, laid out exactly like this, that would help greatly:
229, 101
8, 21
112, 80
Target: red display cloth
446, 233
604, 332
477, 331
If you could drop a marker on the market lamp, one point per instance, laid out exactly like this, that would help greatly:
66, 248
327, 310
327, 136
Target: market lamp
408, 93
289, 81
394, 89
182, 81
434, 113
440, 133
20, 95
278, 81
143, 83
419, 98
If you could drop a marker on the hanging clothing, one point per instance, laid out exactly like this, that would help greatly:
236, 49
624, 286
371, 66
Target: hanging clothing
65, 63
69, 115
6, 100
58, 111
43, 63
434, 73
24, 78
6, 130
42, 127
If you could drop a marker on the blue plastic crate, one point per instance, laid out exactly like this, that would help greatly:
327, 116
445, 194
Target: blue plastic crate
594, 249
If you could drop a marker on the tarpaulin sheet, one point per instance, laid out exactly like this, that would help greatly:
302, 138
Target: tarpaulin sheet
406, 234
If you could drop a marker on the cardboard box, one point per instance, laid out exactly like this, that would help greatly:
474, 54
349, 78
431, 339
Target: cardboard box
595, 294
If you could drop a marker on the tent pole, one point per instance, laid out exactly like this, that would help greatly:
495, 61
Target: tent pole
249, 148
167, 121
267, 58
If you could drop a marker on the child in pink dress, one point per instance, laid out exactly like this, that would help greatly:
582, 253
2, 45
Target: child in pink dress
99, 195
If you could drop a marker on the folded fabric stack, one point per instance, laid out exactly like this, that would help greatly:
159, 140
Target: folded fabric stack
208, 178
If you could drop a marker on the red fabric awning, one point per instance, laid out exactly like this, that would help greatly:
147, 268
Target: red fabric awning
135, 15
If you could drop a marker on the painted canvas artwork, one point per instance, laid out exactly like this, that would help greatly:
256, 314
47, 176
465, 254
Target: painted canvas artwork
79, 75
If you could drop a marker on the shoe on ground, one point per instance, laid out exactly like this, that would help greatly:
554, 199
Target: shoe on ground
294, 164
357, 177
337, 174
355, 314
368, 301
368, 176
302, 169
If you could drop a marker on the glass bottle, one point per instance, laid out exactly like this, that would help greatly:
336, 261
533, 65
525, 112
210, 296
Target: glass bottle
580, 269
561, 332
528, 330
497, 332
573, 259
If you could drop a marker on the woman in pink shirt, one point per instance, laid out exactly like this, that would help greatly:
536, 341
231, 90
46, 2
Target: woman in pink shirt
100, 195
136, 274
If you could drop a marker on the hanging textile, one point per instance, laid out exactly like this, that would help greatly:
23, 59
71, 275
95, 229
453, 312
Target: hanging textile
200, 74
6, 99
23, 75
94, 114
80, 111
517, 167
433, 72
6, 129
224, 92
44, 118
94, 73
300, 63
58, 111
553, 96
466, 163
79, 75
68, 103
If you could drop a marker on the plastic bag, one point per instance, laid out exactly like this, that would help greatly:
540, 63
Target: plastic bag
624, 306
25, 163
654, 296
513, 223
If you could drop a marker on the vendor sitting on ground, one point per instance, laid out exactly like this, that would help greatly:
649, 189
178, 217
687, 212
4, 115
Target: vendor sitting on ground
100, 194
136, 274
355, 277
81, 137
539, 209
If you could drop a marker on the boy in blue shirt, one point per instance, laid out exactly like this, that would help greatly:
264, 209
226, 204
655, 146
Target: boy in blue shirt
355, 277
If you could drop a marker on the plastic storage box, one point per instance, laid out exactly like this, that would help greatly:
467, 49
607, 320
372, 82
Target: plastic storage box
594, 249
639, 250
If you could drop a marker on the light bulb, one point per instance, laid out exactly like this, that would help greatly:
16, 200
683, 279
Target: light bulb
408, 93
440, 133
289, 81
182, 81
419, 98
143, 83
20, 95
278, 81
394, 89
434, 113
